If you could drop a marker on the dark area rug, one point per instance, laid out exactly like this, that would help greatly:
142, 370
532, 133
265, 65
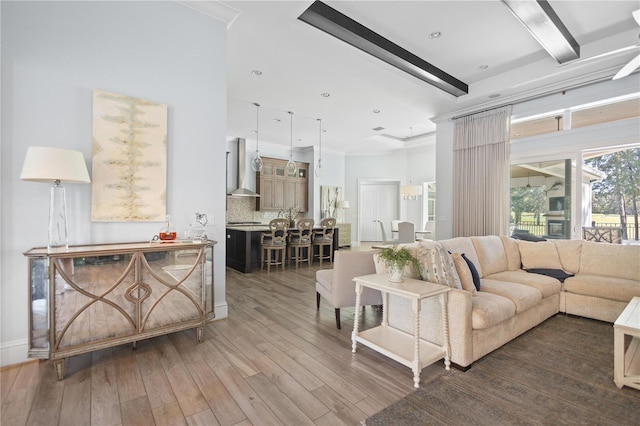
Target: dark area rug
558, 373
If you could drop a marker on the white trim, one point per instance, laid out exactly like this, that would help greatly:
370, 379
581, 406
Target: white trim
215, 9
221, 310
14, 352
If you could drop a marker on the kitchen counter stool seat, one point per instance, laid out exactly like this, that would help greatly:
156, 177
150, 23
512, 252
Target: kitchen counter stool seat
299, 240
324, 238
273, 244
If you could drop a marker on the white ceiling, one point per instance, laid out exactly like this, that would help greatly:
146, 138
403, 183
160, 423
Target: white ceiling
299, 62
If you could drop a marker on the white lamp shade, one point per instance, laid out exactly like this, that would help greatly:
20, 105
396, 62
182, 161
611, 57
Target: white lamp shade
47, 164
411, 190
345, 205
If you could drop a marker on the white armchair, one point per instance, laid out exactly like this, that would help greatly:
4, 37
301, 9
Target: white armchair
337, 286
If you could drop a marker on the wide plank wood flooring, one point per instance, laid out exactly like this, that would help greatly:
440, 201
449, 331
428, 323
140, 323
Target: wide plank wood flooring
275, 360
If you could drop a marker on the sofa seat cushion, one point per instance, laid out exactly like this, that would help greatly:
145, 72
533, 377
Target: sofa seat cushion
489, 309
522, 296
610, 288
546, 285
324, 278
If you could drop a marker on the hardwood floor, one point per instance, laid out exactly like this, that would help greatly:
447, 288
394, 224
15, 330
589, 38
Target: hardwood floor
275, 360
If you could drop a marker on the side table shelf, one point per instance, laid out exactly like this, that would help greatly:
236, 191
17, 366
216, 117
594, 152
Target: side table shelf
626, 365
408, 349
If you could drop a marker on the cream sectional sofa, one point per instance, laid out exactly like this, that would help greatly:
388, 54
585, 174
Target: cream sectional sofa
511, 301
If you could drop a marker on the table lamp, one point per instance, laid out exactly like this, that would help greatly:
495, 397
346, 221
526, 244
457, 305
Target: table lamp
343, 205
56, 165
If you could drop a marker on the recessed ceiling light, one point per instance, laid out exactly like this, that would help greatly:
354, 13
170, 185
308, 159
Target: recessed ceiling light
483, 67
325, 95
495, 95
435, 34
376, 111
256, 72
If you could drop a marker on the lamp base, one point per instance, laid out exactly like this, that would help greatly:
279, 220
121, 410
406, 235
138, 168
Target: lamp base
58, 218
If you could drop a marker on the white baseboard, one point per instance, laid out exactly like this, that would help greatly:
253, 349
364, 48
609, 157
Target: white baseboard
14, 352
221, 310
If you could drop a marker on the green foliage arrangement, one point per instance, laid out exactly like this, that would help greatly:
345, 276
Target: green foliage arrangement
398, 256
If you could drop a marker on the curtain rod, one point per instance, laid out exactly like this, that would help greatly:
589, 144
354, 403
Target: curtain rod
533, 97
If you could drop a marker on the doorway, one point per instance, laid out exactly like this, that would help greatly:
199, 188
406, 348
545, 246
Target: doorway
378, 200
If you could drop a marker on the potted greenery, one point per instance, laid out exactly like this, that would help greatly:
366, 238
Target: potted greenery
395, 260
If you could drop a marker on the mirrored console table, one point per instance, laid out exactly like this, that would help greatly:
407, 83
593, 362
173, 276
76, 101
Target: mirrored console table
92, 297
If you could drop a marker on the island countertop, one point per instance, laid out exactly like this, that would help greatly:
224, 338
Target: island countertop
243, 245
250, 228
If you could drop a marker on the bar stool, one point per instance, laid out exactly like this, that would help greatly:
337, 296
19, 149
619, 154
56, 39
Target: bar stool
274, 242
324, 238
299, 240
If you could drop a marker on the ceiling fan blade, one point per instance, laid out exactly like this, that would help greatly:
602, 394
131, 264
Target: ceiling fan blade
636, 15
629, 68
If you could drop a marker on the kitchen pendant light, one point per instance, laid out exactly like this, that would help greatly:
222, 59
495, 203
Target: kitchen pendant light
291, 165
256, 163
319, 166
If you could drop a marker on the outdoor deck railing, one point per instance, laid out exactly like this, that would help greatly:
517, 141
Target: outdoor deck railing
541, 229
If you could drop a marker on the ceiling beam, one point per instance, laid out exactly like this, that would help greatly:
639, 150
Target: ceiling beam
546, 27
346, 29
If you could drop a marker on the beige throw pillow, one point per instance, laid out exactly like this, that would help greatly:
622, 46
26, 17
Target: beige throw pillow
466, 279
542, 254
437, 266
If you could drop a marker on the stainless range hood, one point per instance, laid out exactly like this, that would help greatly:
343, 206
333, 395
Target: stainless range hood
241, 190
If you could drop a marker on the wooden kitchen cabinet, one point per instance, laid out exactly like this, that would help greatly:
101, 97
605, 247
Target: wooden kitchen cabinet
280, 190
97, 296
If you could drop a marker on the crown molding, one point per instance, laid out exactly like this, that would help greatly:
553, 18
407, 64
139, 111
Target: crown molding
218, 10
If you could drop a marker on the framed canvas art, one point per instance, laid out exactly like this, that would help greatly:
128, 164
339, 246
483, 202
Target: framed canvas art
129, 167
329, 197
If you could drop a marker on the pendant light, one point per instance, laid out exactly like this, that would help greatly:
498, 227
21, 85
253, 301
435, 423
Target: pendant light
291, 165
256, 163
319, 166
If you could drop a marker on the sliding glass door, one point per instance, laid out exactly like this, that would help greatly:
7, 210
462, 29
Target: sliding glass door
541, 199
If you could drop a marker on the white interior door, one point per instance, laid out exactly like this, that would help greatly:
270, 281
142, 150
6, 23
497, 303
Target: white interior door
378, 201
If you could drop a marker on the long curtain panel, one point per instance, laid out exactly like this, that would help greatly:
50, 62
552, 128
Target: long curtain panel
481, 173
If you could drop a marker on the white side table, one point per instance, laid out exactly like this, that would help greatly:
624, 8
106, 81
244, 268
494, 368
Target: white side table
407, 349
626, 365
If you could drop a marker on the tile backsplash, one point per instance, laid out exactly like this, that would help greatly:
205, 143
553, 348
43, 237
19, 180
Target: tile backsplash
243, 209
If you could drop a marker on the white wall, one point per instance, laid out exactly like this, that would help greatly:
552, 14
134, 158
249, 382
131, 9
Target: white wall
568, 143
53, 55
413, 165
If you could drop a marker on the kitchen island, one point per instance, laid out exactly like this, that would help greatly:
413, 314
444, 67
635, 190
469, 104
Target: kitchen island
243, 245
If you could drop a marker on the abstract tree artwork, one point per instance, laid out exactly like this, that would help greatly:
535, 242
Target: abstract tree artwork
129, 165
329, 197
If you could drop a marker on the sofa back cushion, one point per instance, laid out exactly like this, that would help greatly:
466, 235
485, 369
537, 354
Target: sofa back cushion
539, 255
491, 254
569, 251
461, 245
613, 260
512, 251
